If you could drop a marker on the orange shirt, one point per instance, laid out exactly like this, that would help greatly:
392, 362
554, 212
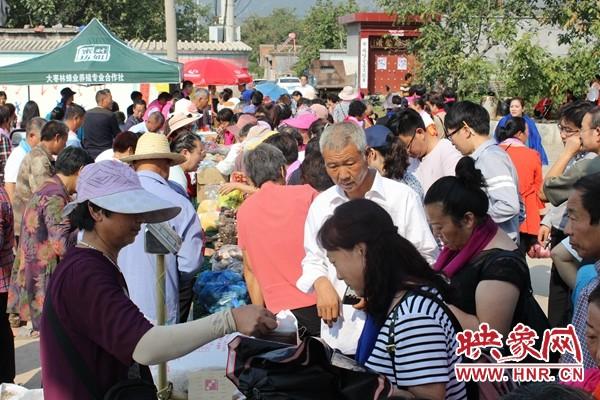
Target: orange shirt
529, 169
270, 227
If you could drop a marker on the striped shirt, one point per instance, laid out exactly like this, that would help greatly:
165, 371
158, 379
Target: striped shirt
425, 347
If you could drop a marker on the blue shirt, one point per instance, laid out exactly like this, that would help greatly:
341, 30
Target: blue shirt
139, 268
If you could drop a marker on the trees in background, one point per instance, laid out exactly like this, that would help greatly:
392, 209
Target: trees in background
459, 36
140, 19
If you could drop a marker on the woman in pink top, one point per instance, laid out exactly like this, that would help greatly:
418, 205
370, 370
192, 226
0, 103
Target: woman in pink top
271, 235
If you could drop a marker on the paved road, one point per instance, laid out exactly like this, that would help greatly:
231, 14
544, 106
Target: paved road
27, 349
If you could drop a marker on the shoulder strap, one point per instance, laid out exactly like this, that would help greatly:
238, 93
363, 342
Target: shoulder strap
391, 344
76, 361
455, 323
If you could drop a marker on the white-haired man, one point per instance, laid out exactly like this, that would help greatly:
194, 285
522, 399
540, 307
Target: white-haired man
344, 149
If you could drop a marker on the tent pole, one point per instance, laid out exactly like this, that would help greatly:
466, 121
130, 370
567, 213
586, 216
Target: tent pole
28, 93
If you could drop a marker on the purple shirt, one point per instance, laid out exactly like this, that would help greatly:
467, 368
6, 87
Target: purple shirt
104, 326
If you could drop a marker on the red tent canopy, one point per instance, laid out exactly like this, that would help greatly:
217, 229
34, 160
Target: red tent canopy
212, 71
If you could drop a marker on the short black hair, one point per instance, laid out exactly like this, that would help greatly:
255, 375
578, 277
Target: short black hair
3, 93
589, 187
135, 95
81, 218
287, 144
165, 96
418, 90
334, 98
71, 159
226, 114
125, 140
575, 111
53, 128
314, 173
296, 93
474, 115
405, 122
5, 114
74, 111
57, 114
257, 98
356, 108
138, 102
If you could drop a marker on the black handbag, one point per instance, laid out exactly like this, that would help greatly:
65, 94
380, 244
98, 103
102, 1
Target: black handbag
139, 385
267, 370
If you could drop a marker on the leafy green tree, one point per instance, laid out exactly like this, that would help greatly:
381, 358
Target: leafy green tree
456, 36
140, 19
580, 19
321, 30
525, 71
271, 29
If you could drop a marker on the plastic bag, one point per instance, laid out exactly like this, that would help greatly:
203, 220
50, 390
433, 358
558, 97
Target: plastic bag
228, 257
221, 290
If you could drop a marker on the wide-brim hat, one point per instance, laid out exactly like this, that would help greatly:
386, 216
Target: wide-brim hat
114, 186
179, 120
154, 146
185, 106
348, 93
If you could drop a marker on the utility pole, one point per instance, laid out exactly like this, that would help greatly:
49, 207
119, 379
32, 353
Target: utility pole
229, 21
171, 29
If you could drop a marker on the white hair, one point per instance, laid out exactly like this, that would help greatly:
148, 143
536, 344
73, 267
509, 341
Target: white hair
340, 135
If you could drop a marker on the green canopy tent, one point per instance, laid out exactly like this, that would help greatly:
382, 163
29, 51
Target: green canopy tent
94, 56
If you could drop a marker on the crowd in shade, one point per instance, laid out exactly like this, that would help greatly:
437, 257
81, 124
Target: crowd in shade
384, 235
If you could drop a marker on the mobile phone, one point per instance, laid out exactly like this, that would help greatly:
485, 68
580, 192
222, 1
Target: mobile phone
350, 297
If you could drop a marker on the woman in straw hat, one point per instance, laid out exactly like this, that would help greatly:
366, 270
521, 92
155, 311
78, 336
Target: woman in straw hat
87, 295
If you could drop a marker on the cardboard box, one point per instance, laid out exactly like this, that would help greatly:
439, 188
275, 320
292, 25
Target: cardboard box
210, 385
207, 176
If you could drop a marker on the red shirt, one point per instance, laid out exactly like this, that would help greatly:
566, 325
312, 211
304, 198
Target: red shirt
271, 231
102, 323
529, 169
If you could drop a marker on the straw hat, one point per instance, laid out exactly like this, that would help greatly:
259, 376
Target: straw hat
348, 93
179, 120
152, 146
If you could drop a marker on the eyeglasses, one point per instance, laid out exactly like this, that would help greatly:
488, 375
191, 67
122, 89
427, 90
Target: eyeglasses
568, 131
450, 134
411, 142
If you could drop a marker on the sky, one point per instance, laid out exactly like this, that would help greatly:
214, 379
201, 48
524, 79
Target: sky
245, 8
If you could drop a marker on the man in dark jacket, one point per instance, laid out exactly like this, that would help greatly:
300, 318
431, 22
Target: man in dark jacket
101, 125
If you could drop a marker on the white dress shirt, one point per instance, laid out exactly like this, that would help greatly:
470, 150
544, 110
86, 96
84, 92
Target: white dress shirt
408, 214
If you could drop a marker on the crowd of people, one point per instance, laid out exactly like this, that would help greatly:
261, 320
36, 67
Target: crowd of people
383, 235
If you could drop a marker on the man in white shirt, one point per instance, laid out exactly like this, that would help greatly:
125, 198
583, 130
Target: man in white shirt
438, 157
155, 121
74, 118
343, 147
308, 92
11, 169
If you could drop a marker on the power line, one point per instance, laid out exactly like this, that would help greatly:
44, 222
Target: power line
243, 8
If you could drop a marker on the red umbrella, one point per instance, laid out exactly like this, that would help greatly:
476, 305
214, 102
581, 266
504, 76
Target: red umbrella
212, 71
